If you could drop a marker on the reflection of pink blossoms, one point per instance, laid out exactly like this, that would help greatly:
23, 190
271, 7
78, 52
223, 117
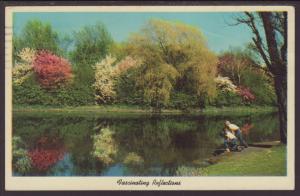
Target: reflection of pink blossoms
47, 153
246, 94
43, 159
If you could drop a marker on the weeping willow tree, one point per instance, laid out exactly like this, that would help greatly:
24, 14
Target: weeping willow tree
174, 56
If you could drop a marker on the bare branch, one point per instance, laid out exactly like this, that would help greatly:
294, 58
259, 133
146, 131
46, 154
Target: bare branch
278, 66
261, 51
257, 39
238, 20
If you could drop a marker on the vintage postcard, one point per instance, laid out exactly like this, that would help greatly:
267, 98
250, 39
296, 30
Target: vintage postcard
149, 97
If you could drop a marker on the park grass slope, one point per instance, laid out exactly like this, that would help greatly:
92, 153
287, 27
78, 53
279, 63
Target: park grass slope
252, 162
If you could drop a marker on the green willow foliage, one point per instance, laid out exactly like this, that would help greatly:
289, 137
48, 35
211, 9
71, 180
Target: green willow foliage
175, 54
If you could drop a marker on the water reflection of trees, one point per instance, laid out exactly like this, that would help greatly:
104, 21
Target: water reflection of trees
39, 157
145, 146
163, 144
264, 128
46, 152
105, 146
21, 162
74, 134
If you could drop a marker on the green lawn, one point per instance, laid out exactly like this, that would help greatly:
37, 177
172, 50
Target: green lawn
266, 162
252, 162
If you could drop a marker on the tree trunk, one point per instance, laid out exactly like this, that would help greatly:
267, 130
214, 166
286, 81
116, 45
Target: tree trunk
281, 92
278, 67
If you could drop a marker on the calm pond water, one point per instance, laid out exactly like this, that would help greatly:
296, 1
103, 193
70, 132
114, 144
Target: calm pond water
134, 145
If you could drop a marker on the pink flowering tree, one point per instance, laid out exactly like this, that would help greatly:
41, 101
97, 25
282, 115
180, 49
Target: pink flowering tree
52, 71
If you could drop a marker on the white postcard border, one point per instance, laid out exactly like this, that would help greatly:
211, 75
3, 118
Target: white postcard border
187, 183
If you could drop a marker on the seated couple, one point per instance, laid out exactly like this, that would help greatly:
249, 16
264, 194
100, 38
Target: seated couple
232, 133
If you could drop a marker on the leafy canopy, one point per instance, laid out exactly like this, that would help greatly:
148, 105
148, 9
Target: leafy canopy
38, 36
91, 44
174, 56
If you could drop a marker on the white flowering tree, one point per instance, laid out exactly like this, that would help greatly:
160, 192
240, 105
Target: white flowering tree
105, 76
21, 71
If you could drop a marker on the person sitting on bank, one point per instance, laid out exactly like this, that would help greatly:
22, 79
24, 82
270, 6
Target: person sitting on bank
237, 132
230, 141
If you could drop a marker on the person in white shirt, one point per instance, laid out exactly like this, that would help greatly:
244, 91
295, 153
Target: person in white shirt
237, 132
230, 141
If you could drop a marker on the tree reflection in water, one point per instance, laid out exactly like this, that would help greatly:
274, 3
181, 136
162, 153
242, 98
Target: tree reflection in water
105, 147
125, 146
46, 153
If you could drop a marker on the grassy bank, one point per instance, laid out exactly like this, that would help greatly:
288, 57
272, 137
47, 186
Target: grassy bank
261, 162
240, 110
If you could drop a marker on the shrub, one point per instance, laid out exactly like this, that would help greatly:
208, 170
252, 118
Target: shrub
31, 93
261, 85
27, 94
226, 99
246, 94
225, 84
20, 73
226, 93
183, 101
52, 71
76, 95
